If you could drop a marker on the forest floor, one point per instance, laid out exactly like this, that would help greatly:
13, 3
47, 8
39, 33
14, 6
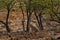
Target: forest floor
51, 29
29, 36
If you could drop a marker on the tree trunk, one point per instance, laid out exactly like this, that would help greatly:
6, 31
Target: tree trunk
7, 27
41, 25
28, 21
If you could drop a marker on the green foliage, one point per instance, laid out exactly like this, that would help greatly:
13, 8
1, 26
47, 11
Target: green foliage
5, 3
39, 5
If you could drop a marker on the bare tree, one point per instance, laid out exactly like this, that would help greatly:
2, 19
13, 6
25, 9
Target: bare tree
8, 7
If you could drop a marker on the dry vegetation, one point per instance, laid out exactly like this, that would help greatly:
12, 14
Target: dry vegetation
49, 33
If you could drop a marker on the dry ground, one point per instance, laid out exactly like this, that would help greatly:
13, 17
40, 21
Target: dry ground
49, 33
